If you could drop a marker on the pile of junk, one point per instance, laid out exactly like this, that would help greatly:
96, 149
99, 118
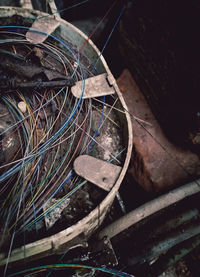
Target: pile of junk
98, 170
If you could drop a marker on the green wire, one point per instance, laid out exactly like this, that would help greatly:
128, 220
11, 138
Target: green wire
62, 266
56, 204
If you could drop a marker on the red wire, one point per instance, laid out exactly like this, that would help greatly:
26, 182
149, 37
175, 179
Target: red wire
93, 32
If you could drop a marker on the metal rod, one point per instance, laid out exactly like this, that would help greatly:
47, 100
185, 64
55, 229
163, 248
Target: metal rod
150, 208
11, 84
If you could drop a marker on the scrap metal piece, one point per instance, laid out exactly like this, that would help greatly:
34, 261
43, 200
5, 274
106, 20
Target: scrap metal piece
54, 215
150, 208
43, 6
101, 173
46, 24
93, 87
41, 29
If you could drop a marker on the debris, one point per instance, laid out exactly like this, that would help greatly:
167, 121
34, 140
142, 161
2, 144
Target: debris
22, 106
55, 213
157, 164
32, 68
56, 129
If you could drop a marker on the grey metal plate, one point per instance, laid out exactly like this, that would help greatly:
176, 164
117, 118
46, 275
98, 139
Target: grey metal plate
93, 87
44, 25
101, 173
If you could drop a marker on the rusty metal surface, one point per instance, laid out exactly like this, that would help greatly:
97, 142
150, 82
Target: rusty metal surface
156, 164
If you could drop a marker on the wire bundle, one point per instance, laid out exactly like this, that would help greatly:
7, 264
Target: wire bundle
52, 130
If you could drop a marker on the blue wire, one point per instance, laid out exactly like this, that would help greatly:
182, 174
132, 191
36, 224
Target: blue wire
67, 121
59, 203
42, 149
33, 111
70, 7
108, 39
30, 218
69, 118
20, 165
94, 67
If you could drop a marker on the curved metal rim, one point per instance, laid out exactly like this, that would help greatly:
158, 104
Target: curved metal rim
92, 221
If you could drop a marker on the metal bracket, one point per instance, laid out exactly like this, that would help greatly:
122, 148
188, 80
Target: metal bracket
44, 24
94, 87
53, 9
101, 173
47, 6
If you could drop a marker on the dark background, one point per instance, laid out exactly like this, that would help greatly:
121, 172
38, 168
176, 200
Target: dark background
158, 41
